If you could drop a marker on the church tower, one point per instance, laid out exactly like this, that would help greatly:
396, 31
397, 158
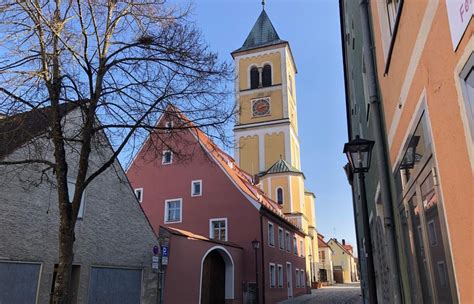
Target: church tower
266, 128
266, 131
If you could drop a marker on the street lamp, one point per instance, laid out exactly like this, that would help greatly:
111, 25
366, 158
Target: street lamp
256, 245
359, 153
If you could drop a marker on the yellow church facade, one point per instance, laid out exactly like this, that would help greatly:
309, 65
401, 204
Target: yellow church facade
266, 130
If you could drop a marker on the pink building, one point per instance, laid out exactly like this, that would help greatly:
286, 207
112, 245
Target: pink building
211, 211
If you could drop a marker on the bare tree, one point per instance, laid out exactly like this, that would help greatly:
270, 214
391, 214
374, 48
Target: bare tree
123, 63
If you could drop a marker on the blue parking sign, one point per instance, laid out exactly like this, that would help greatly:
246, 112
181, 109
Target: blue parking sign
164, 251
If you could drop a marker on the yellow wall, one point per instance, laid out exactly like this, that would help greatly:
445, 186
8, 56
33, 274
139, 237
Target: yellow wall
274, 148
309, 209
296, 188
276, 107
245, 63
248, 153
271, 186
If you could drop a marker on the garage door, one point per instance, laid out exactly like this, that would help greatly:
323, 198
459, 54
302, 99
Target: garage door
18, 282
115, 285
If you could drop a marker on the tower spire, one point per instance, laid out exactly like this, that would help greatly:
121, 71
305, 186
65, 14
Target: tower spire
263, 5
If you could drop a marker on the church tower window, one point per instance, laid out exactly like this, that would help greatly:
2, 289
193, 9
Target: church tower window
280, 196
267, 76
254, 78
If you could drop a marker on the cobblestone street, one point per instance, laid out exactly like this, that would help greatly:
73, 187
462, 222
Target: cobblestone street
336, 294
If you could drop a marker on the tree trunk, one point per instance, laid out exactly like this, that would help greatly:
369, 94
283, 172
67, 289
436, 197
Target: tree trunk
66, 256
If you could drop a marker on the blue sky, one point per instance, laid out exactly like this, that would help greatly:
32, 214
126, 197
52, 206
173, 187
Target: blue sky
312, 28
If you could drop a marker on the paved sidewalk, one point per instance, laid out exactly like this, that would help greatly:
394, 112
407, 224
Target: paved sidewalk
336, 294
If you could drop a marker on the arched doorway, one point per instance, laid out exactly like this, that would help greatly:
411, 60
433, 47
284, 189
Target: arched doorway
217, 276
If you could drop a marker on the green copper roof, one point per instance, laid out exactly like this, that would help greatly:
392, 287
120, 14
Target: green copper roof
262, 34
282, 166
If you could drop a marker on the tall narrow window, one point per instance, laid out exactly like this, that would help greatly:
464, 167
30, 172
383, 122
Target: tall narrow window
271, 234
267, 76
254, 78
272, 275
280, 276
301, 248
280, 196
287, 241
295, 246
297, 272
281, 239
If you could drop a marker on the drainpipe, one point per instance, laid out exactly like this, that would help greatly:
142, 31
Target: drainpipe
262, 259
382, 158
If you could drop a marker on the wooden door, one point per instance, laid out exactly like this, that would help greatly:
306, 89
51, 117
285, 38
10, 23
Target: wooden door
213, 279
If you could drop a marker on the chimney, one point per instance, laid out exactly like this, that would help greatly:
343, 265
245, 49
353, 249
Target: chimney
343, 242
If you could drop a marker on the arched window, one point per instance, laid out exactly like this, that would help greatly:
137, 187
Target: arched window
280, 196
254, 78
267, 76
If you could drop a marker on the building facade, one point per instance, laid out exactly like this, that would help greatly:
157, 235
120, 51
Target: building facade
418, 79
114, 240
344, 266
208, 195
326, 271
266, 131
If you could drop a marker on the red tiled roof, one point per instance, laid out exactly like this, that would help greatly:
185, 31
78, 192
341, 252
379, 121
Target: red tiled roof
321, 242
242, 179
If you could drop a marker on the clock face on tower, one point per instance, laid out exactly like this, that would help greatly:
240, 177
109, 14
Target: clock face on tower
261, 107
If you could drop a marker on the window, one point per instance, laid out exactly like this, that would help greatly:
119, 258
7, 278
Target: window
272, 276
71, 188
173, 210
281, 240
301, 248
267, 76
139, 194
196, 188
279, 196
392, 13
295, 246
432, 233
467, 76
218, 229
442, 274
302, 280
254, 78
169, 126
271, 234
322, 256
297, 276
287, 241
167, 157
290, 84
280, 276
